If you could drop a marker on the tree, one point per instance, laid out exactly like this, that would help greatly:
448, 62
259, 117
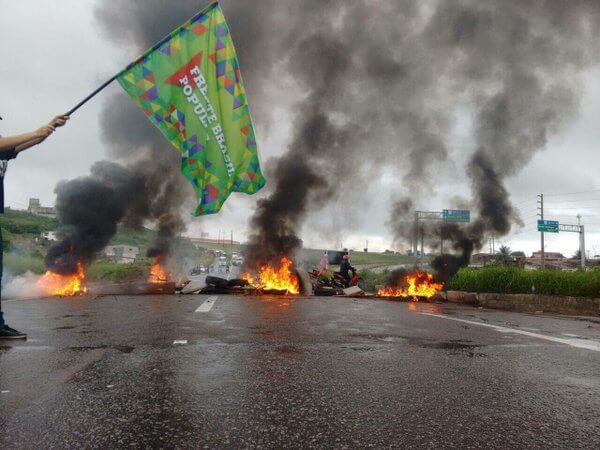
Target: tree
503, 256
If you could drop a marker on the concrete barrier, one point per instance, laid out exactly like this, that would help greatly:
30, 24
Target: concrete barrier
581, 306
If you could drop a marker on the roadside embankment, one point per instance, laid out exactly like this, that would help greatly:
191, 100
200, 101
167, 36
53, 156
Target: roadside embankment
581, 306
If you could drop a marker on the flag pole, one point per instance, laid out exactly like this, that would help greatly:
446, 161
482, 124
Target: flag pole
93, 94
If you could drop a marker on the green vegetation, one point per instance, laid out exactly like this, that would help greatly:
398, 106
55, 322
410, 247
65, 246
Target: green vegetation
140, 237
359, 258
18, 264
512, 280
108, 271
24, 223
369, 279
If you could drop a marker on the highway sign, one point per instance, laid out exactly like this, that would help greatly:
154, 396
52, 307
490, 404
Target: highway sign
456, 215
548, 226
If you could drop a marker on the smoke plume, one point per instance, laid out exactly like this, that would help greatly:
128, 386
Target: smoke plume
90, 208
379, 85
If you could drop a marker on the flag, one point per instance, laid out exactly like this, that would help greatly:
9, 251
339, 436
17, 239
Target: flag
190, 87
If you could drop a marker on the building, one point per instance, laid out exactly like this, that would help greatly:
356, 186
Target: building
552, 260
199, 242
36, 208
548, 256
122, 254
481, 259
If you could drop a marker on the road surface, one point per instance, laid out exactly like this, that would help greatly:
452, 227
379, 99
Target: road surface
245, 372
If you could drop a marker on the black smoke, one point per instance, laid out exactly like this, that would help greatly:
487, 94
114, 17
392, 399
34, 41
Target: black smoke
90, 209
379, 85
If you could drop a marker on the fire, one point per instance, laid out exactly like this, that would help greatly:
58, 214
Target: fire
417, 284
64, 285
280, 279
158, 274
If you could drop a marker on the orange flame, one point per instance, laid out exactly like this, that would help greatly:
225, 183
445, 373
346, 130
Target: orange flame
417, 284
64, 285
158, 274
280, 279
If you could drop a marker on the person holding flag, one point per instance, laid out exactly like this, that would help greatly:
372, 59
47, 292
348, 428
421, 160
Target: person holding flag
10, 147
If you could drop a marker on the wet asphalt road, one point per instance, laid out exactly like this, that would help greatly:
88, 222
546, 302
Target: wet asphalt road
301, 373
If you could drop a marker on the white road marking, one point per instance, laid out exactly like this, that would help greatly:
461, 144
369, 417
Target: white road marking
6, 392
181, 342
207, 305
578, 343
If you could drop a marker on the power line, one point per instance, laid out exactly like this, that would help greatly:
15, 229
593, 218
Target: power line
571, 193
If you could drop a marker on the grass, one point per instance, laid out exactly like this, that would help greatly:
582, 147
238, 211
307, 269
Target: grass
358, 258
107, 271
370, 279
18, 264
512, 280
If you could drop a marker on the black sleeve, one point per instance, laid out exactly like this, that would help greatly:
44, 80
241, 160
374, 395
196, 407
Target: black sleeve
8, 154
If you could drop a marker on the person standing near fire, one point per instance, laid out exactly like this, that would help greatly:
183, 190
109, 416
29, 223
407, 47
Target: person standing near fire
346, 267
10, 147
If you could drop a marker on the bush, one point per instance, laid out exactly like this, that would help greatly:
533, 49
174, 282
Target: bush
369, 278
511, 280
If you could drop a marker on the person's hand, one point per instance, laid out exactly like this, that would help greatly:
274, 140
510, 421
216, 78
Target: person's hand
59, 120
44, 131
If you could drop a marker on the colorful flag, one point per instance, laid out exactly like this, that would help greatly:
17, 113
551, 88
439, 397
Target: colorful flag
190, 86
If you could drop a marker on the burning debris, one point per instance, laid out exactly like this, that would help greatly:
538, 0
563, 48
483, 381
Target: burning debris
415, 286
158, 273
60, 285
281, 279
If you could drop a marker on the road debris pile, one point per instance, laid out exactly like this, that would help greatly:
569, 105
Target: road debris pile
280, 279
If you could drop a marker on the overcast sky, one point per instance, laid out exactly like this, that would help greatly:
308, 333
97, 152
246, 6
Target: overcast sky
54, 53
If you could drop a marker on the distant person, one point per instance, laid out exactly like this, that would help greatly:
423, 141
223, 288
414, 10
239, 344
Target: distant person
323, 264
346, 267
10, 147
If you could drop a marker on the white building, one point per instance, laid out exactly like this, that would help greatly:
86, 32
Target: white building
35, 207
122, 254
49, 236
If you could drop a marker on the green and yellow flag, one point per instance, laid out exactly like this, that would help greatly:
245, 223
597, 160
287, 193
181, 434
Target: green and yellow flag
190, 86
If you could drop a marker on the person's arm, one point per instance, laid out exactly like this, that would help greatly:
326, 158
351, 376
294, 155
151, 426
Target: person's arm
27, 140
28, 144
11, 142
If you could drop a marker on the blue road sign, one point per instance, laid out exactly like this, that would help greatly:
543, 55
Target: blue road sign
456, 215
548, 226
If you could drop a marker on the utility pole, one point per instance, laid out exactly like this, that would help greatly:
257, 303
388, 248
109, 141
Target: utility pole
422, 239
582, 245
581, 241
541, 214
416, 238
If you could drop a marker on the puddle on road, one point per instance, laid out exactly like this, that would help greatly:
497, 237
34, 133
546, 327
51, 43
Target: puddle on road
120, 348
